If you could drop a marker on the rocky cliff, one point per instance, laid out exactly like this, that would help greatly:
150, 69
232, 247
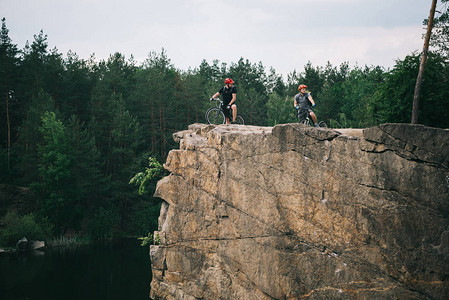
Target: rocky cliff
294, 212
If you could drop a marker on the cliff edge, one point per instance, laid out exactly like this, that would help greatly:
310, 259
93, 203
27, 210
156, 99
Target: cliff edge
295, 212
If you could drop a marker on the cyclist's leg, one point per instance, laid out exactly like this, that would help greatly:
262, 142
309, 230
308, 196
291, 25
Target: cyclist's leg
226, 113
234, 112
313, 116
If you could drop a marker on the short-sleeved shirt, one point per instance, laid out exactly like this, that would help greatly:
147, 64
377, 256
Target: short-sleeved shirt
227, 94
303, 101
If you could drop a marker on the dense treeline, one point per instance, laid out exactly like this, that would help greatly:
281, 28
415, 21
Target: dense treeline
75, 130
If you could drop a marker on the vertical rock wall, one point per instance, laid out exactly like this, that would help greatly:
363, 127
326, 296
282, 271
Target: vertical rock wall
294, 212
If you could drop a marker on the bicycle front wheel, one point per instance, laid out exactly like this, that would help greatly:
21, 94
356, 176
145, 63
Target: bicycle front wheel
215, 116
305, 122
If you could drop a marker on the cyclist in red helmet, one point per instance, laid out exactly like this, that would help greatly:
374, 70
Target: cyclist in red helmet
304, 102
229, 93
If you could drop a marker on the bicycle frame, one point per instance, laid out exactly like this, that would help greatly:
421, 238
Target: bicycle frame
220, 106
309, 121
211, 118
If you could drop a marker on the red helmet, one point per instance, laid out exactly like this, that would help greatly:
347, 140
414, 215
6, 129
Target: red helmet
229, 81
302, 86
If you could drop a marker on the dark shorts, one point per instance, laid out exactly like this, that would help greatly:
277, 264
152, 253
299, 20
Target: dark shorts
227, 112
303, 113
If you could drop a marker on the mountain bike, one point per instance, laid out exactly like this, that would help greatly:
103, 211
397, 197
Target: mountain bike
216, 115
309, 121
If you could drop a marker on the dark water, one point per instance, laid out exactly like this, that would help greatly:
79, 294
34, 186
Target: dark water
116, 270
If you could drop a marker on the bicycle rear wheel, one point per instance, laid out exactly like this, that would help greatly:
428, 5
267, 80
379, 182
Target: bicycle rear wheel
215, 116
322, 124
239, 120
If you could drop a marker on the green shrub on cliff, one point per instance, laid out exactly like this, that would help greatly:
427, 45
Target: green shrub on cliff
153, 171
147, 215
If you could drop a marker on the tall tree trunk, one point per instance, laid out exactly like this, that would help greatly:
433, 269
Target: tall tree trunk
415, 110
162, 128
8, 125
152, 128
251, 110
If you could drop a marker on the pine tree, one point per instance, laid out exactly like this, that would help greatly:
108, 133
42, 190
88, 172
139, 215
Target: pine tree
8, 79
54, 185
78, 80
30, 136
89, 184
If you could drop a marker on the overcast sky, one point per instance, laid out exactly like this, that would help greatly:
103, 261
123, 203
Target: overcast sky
283, 34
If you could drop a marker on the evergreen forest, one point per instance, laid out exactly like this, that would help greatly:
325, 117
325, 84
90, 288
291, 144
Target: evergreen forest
75, 131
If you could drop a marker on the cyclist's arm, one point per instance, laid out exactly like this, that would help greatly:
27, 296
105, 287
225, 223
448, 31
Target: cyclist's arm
311, 100
234, 96
216, 95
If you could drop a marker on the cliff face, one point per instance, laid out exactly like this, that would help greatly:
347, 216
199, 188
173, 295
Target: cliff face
294, 212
